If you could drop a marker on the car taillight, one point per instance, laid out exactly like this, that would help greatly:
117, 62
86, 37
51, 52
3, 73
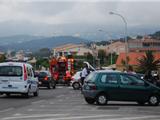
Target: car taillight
46, 78
72, 78
93, 87
25, 72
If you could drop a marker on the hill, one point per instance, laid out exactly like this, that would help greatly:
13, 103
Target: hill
49, 42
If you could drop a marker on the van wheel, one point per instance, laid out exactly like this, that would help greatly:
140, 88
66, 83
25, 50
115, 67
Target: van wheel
36, 93
154, 100
76, 86
89, 100
26, 95
101, 99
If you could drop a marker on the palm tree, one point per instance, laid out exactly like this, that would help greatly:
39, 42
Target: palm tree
148, 63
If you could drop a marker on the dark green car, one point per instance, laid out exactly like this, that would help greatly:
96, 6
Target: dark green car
103, 86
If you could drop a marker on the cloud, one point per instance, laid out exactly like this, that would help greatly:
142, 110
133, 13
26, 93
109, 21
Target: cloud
77, 12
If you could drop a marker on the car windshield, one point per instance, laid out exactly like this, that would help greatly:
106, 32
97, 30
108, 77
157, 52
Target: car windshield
10, 71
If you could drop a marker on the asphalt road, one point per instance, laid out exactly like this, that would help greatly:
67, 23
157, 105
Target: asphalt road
64, 103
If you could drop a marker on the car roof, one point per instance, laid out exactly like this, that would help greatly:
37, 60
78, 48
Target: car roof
14, 64
108, 71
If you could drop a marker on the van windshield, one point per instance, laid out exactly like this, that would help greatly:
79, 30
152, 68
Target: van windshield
10, 71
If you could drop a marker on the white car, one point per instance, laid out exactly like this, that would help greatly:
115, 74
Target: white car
76, 80
17, 78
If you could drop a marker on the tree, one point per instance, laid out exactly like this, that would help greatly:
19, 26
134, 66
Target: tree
2, 58
148, 63
125, 62
89, 58
102, 56
42, 62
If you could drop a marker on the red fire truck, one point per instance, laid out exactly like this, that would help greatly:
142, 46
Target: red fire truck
62, 69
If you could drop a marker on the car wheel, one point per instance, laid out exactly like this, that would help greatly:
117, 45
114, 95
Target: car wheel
89, 100
76, 86
153, 100
140, 102
49, 86
101, 99
8, 94
54, 85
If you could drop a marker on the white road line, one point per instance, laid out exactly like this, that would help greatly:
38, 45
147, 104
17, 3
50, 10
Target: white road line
38, 101
6, 110
132, 118
60, 96
34, 116
80, 117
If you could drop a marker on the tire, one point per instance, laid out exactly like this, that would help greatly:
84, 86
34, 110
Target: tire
54, 85
26, 95
89, 100
35, 94
141, 103
154, 100
76, 86
49, 85
101, 99
8, 94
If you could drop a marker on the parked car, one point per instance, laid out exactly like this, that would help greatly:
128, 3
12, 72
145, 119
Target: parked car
17, 78
104, 86
46, 80
76, 81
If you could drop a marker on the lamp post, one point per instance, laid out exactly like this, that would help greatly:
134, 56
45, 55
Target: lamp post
111, 43
125, 33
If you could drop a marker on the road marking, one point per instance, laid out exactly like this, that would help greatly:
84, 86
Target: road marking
35, 116
60, 96
80, 117
131, 118
6, 110
38, 101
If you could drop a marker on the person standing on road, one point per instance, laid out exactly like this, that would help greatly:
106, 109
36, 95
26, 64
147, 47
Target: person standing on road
84, 73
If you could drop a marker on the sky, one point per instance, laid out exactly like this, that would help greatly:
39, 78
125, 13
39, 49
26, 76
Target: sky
78, 17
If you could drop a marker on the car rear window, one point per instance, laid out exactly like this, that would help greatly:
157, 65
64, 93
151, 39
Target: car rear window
10, 71
91, 77
42, 74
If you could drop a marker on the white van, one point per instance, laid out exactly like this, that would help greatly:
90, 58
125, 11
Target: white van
17, 78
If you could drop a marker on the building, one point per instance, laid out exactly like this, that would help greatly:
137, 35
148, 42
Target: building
133, 59
145, 44
76, 49
116, 47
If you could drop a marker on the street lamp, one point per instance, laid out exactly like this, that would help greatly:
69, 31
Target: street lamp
111, 43
125, 33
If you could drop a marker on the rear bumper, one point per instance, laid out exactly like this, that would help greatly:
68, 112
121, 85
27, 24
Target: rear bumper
13, 90
90, 93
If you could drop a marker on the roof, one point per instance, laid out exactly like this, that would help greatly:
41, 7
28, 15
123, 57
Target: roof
68, 46
14, 63
107, 71
133, 56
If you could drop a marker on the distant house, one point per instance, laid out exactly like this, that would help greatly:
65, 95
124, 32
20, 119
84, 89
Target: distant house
145, 44
116, 47
76, 49
133, 56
